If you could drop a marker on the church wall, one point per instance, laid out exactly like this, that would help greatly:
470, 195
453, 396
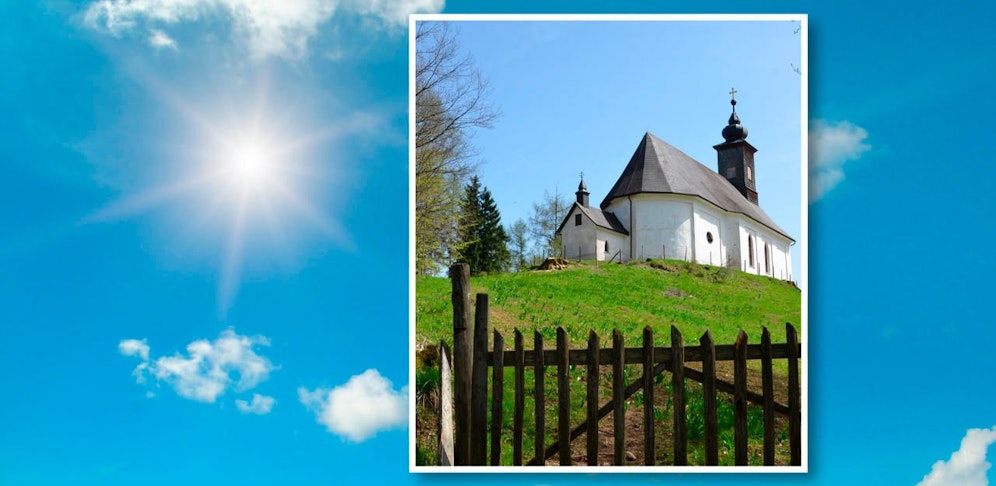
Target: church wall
707, 223
663, 223
777, 256
616, 241
578, 238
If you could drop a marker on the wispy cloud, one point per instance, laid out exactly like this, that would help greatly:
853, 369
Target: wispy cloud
831, 145
161, 40
269, 28
208, 369
132, 347
967, 466
260, 404
359, 409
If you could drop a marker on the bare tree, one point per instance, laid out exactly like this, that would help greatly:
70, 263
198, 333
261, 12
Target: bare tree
546, 218
450, 102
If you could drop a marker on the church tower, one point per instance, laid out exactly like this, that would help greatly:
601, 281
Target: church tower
582, 193
736, 155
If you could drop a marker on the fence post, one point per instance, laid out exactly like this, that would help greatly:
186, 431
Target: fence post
648, 396
593, 379
497, 396
740, 399
709, 399
563, 397
462, 361
538, 398
768, 394
479, 385
520, 399
795, 415
678, 393
618, 400
445, 406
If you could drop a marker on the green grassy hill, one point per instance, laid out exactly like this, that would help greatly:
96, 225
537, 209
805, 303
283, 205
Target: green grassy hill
585, 297
627, 297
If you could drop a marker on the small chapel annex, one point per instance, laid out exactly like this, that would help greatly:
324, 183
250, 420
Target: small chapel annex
667, 204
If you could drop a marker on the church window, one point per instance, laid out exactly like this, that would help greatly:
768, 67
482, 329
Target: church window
708, 236
577, 220
750, 249
750, 174
731, 172
606, 246
767, 258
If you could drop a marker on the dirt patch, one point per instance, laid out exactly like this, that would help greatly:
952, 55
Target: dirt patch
676, 293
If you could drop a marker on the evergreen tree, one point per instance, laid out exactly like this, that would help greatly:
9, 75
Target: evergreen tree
483, 242
468, 247
493, 252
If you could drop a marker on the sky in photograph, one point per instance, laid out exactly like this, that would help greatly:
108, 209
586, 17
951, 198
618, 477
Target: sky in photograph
203, 224
579, 96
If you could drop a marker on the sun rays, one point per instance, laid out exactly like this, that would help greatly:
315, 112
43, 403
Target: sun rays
244, 184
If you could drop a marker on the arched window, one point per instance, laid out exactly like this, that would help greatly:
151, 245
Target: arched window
606, 247
767, 258
750, 249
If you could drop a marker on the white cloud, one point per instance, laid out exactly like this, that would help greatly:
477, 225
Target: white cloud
831, 145
268, 27
209, 368
396, 11
161, 40
260, 404
359, 409
967, 466
132, 347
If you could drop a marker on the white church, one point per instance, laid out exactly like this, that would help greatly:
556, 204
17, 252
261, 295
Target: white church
668, 205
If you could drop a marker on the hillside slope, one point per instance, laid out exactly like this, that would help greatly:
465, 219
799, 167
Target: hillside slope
627, 297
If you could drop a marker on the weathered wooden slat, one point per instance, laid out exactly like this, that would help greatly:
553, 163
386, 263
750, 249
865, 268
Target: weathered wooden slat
709, 400
693, 354
463, 352
618, 401
592, 406
740, 401
630, 390
795, 414
768, 393
648, 396
497, 398
678, 399
520, 400
563, 397
539, 398
445, 406
479, 385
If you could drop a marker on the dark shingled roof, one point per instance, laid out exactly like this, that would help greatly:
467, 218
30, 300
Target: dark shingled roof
597, 216
658, 167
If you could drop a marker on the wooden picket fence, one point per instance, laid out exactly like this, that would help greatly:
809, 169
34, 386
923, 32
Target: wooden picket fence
464, 429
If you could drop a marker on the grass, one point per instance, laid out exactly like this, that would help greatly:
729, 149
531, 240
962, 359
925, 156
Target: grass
627, 297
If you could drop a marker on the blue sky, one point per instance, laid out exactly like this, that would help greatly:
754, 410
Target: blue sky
168, 315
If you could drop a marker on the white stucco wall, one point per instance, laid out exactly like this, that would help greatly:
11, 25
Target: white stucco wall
617, 242
662, 223
577, 238
773, 263
708, 222
587, 240
680, 225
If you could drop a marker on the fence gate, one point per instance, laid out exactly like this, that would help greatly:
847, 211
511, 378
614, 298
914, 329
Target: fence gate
465, 408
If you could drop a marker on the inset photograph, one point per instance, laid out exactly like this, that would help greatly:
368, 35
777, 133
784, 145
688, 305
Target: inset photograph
608, 243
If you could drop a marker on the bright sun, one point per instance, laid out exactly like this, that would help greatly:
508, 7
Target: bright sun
251, 164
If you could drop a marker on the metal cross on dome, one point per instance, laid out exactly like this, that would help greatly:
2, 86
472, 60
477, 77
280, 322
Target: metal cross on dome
733, 94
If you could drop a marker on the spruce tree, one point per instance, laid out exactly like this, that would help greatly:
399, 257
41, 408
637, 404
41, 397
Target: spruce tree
483, 241
494, 255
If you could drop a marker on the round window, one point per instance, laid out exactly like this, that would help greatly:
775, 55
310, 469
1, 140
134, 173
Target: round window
709, 236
